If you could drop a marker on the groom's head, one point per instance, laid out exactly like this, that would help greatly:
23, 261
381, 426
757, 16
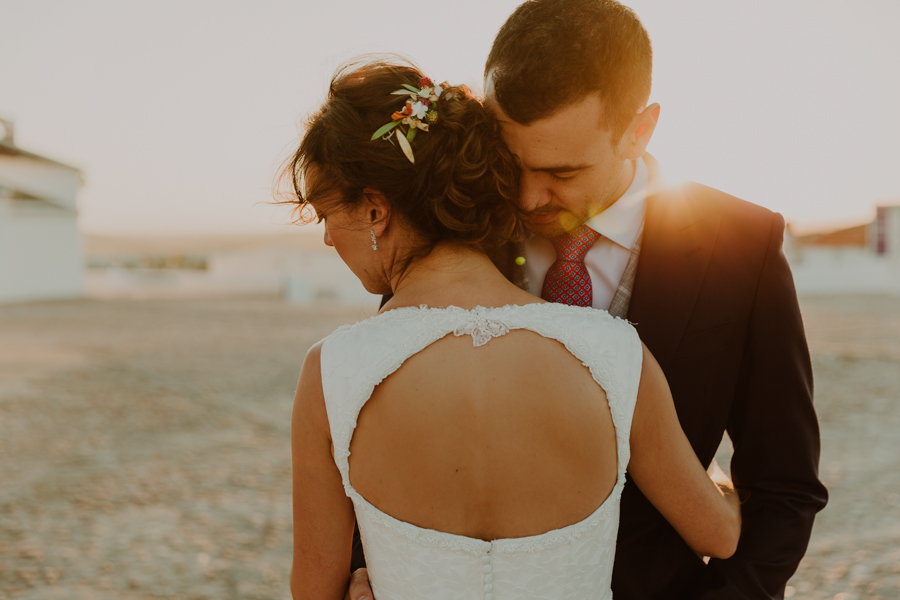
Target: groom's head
569, 81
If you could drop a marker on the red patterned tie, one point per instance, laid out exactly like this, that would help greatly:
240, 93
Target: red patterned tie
568, 281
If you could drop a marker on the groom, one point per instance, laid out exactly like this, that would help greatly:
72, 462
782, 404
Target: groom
700, 273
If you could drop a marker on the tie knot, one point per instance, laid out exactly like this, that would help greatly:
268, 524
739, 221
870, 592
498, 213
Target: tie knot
573, 246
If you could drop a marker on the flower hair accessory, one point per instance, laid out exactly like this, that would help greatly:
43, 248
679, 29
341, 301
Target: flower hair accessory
420, 112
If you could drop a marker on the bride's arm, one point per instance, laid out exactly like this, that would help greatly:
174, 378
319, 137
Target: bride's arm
706, 514
323, 514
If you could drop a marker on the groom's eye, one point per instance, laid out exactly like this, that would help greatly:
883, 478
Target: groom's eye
563, 176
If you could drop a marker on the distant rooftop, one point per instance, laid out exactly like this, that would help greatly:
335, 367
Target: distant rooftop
105, 246
8, 146
7, 149
851, 236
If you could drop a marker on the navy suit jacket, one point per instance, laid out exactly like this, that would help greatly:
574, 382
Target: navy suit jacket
714, 301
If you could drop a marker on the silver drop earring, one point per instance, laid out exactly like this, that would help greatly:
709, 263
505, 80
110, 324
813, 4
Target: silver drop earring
374, 240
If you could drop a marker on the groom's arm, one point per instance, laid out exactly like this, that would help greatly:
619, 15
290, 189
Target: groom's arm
776, 443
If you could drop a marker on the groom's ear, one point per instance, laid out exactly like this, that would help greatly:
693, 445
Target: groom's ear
638, 134
377, 211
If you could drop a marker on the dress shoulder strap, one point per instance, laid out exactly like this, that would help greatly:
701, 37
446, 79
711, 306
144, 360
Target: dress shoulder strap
358, 357
611, 350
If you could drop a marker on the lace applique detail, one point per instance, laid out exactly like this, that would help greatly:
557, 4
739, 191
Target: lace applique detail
481, 327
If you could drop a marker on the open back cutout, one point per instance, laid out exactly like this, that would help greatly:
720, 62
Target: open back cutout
509, 439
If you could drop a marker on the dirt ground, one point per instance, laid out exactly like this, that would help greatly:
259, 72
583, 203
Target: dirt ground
144, 447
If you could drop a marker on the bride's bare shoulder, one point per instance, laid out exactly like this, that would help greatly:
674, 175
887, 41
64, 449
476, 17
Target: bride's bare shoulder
309, 399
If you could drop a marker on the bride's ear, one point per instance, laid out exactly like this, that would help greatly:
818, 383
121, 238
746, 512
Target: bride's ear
377, 214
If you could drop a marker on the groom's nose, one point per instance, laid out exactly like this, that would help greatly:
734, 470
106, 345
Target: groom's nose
533, 191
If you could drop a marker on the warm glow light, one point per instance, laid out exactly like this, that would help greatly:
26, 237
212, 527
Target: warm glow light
179, 113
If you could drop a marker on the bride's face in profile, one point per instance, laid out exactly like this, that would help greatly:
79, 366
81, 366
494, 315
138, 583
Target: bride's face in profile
349, 229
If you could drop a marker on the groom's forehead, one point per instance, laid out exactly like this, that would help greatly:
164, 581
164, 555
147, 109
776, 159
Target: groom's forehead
587, 113
572, 136
589, 107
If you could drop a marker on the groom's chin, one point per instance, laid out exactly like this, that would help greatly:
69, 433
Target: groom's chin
545, 231
548, 230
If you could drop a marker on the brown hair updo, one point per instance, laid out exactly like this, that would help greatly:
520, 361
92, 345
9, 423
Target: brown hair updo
463, 185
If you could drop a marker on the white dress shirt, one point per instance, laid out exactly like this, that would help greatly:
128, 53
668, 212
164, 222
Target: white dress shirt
620, 225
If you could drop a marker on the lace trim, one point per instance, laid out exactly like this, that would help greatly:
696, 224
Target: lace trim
564, 535
424, 537
482, 324
411, 313
503, 547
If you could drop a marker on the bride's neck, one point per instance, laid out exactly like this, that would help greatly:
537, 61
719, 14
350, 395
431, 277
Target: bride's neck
448, 275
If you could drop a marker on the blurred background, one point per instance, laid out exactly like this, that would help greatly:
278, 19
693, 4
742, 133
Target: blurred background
155, 306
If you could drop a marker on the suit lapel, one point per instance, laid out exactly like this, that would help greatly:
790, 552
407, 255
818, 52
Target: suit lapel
677, 244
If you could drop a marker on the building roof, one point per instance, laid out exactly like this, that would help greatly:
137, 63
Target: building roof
851, 236
9, 149
97, 246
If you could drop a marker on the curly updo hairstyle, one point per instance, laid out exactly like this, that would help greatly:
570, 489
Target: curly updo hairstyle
462, 187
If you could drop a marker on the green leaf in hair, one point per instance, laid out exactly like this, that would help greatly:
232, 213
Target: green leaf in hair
384, 129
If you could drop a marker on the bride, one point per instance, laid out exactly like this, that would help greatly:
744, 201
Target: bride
477, 434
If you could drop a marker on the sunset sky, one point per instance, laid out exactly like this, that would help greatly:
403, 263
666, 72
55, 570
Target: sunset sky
179, 112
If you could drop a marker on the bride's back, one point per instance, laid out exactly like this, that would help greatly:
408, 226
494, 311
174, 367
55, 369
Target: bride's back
510, 439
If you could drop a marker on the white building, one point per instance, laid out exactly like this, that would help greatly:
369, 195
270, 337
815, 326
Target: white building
858, 260
295, 265
40, 247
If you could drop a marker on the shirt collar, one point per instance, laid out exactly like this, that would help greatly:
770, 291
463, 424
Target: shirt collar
621, 221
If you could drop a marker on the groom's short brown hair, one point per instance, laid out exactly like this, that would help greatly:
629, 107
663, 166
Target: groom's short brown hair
550, 53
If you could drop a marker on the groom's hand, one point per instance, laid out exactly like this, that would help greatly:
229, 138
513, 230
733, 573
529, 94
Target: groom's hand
359, 586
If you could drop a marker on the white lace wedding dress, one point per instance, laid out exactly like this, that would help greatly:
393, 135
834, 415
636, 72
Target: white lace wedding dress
407, 562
